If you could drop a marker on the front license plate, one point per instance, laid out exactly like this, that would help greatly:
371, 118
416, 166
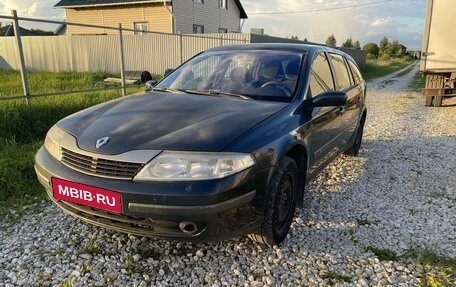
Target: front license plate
86, 195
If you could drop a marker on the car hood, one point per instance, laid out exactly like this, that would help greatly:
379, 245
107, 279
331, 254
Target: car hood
165, 121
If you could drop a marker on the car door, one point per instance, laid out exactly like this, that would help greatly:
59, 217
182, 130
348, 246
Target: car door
324, 127
349, 114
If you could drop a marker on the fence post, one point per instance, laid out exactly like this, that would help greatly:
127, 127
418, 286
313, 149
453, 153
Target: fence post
122, 62
181, 48
221, 40
17, 34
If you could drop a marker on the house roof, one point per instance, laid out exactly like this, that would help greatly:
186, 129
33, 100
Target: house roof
8, 30
241, 9
97, 3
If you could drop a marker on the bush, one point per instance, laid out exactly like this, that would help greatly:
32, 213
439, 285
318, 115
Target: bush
384, 58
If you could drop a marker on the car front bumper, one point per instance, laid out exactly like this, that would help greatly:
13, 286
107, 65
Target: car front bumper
217, 209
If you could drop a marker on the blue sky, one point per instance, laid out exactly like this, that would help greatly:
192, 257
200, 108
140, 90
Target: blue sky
399, 19
396, 19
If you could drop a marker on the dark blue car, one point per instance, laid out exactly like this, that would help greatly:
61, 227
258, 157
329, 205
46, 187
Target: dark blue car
223, 146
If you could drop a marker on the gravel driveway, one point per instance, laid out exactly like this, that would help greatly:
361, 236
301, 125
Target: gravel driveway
398, 196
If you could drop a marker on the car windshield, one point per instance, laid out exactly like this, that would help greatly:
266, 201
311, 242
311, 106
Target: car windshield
250, 74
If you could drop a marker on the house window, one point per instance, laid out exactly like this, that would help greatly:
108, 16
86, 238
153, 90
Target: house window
223, 30
223, 4
198, 29
199, 1
140, 27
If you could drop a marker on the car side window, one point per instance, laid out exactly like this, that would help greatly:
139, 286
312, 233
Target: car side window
341, 72
321, 79
355, 71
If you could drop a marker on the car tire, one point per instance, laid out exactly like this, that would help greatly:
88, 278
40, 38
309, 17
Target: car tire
280, 204
354, 149
438, 101
428, 101
146, 76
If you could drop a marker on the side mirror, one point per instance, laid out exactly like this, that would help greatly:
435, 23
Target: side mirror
168, 71
330, 99
151, 84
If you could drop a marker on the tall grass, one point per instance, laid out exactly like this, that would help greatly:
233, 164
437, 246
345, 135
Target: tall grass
23, 127
418, 82
48, 82
382, 67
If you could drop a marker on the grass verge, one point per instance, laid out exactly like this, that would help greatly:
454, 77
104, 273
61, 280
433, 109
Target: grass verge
436, 270
378, 68
417, 83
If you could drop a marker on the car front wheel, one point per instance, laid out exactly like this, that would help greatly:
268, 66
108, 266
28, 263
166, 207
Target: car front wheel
280, 204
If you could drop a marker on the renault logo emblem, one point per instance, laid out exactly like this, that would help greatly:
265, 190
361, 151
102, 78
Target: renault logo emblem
101, 142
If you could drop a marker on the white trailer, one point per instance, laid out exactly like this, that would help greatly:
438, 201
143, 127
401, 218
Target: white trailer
438, 60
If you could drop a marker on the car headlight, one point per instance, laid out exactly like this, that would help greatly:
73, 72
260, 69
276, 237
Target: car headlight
181, 166
52, 141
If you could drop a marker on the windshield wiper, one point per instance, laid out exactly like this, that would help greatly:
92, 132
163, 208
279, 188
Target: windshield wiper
216, 93
168, 90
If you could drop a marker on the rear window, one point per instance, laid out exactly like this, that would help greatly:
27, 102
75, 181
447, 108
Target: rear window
341, 72
355, 71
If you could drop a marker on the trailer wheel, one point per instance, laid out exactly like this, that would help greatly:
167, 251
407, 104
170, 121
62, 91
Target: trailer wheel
428, 101
438, 101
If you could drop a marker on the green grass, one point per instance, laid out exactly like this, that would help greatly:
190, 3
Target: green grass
382, 254
437, 270
48, 82
378, 68
418, 82
18, 184
23, 127
335, 278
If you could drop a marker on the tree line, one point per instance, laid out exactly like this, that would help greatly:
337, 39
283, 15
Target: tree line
382, 49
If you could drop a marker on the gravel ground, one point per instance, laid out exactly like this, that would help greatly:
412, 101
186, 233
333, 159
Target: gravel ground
397, 196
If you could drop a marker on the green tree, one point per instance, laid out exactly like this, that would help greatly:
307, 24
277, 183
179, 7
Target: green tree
357, 45
305, 40
348, 43
331, 41
42, 32
1, 30
383, 45
371, 48
294, 38
395, 48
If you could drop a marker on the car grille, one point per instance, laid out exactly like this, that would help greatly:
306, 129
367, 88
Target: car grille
99, 166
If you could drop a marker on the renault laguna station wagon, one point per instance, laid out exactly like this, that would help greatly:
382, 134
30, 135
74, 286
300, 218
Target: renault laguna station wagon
223, 146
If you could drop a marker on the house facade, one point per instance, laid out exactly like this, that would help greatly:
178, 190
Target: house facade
169, 16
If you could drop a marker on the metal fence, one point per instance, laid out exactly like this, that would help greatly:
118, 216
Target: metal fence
151, 51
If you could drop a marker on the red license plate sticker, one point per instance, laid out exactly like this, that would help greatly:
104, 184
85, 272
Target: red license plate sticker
86, 195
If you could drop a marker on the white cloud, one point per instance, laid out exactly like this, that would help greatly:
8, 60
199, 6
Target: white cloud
32, 9
381, 22
402, 20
